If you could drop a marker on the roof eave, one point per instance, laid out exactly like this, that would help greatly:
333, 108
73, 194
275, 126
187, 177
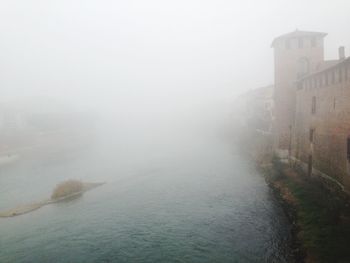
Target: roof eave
321, 34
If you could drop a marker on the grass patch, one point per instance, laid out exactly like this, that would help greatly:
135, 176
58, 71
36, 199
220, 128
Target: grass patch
323, 217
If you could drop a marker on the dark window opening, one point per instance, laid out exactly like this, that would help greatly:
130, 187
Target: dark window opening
340, 75
313, 106
348, 150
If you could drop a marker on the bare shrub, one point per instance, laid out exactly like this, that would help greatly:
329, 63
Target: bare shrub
67, 188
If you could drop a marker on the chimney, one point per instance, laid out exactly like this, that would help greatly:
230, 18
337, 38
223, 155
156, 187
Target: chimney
341, 53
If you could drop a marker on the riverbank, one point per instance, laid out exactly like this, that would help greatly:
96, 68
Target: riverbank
320, 216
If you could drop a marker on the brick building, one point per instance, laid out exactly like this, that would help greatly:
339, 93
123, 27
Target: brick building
312, 105
296, 54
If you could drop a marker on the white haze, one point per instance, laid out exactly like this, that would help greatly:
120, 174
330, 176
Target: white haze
151, 61
139, 94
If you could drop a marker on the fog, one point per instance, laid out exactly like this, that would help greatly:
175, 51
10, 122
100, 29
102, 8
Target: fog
150, 58
157, 56
109, 90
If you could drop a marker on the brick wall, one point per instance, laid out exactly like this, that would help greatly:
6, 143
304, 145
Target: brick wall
287, 70
331, 121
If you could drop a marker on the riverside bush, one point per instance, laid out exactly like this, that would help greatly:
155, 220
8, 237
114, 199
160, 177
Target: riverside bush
67, 188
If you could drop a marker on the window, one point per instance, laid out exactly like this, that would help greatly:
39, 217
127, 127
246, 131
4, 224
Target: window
334, 103
348, 150
346, 72
326, 78
312, 134
333, 76
313, 106
313, 42
300, 43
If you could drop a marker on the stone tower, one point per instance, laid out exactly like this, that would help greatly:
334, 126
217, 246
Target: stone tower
295, 54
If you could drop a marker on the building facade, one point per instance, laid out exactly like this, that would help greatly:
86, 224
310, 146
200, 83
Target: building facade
295, 54
312, 105
322, 123
255, 109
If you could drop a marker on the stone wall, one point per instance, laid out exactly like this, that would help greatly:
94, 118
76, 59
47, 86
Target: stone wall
322, 132
288, 68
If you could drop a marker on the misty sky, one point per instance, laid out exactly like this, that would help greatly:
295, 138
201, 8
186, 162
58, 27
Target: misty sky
145, 53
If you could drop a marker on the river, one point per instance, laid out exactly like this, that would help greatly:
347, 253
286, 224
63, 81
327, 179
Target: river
184, 200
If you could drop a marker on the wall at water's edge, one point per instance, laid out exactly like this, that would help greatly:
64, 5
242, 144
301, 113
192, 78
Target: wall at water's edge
323, 134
